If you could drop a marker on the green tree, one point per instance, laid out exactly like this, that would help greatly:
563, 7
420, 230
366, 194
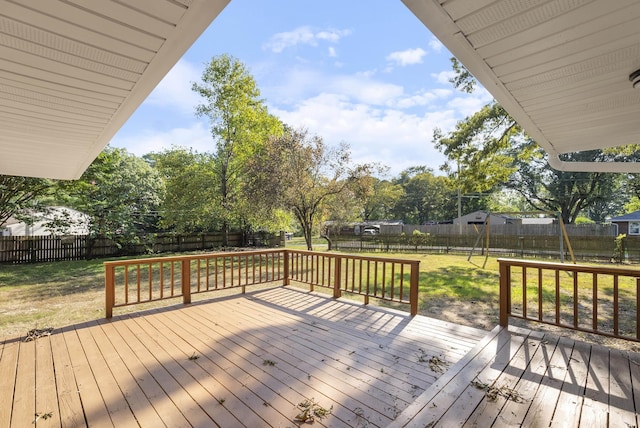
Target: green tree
426, 197
190, 198
21, 195
240, 123
120, 193
482, 149
379, 198
490, 151
569, 193
299, 173
632, 205
507, 200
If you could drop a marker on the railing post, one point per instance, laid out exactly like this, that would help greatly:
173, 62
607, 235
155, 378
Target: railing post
505, 292
286, 280
110, 289
414, 286
185, 275
638, 308
337, 277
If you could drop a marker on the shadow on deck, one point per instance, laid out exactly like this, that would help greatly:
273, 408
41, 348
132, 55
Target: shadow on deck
244, 360
249, 360
518, 377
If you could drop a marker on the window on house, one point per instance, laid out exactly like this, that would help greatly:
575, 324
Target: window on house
634, 228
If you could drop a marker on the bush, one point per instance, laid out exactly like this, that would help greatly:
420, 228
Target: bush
584, 220
618, 250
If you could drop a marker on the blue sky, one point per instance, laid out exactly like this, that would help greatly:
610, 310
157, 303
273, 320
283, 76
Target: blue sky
365, 73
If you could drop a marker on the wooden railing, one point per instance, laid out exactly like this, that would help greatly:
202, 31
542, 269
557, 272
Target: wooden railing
394, 280
600, 300
131, 282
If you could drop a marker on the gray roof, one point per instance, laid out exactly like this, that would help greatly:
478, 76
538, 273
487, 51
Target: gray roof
627, 217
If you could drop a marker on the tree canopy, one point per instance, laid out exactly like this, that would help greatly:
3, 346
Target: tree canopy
263, 175
299, 173
491, 151
120, 193
190, 203
240, 124
18, 195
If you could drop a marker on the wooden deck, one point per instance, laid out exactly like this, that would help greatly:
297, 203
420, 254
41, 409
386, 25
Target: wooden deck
248, 360
245, 360
517, 377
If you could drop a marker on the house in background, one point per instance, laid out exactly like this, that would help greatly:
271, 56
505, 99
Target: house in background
539, 220
479, 217
55, 221
628, 224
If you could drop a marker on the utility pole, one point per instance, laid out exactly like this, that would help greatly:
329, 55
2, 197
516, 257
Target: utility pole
459, 202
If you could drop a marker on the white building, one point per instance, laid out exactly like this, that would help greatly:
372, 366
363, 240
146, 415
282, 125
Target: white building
479, 217
56, 221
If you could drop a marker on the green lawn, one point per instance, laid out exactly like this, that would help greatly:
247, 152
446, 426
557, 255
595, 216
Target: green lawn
298, 243
58, 294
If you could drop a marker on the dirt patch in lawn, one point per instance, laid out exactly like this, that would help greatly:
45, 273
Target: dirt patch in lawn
473, 313
484, 315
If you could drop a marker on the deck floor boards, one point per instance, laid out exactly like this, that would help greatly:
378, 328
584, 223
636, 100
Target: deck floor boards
69, 404
304, 354
8, 367
24, 403
93, 405
244, 360
543, 403
248, 360
205, 390
621, 409
554, 381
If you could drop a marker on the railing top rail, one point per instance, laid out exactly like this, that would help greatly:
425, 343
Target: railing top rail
191, 257
352, 256
572, 267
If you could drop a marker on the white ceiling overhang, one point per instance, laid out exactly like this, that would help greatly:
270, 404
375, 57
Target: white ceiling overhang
73, 71
560, 67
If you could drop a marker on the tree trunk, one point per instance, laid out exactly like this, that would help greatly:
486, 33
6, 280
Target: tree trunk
307, 236
225, 234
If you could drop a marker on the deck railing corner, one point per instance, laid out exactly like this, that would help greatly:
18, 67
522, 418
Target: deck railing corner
130, 282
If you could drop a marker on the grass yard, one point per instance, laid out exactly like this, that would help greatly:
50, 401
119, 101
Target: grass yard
49, 294
58, 294
64, 293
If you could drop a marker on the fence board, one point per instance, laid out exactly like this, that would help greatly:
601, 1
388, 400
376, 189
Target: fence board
506, 229
36, 249
585, 247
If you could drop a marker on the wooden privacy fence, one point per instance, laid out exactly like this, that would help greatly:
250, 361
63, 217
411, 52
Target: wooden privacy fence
130, 282
36, 249
600, 300
588, 248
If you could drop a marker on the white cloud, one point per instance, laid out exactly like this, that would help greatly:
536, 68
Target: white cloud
388, 136
468, 104
444, 76
372, 117
436, 45
407, 57
196, 136
381, 120
422, 98
332, 36
303, 36
332, 52
300, 83
365, 90
175, 89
